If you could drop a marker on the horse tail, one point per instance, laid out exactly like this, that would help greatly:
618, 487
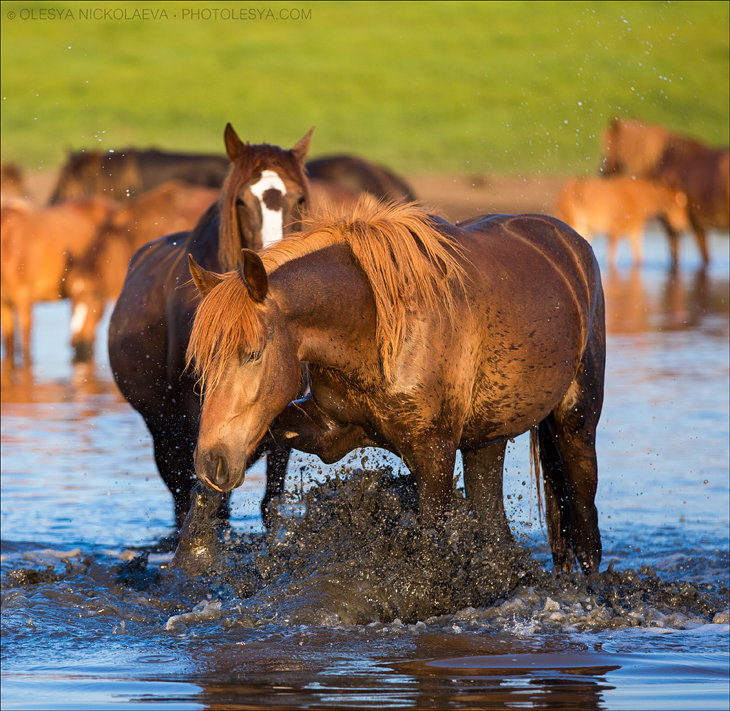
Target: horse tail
535, 470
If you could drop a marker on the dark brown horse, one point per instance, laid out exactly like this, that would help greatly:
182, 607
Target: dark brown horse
421, 338
262, 199
38, 247
120, 174
123, 173
680, 162
98, 274
360, 176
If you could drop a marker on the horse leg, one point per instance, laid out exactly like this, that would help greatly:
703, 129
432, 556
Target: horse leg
7, 323
613, 242
25, 325
636, 240
673, 237
567, 440
430, 458
701, 238
277, 458
483, 472
173, 449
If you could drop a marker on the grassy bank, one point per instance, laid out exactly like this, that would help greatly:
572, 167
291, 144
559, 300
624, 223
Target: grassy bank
518, 87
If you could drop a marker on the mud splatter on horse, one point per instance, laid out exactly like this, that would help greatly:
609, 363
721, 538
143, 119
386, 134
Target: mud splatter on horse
422, 338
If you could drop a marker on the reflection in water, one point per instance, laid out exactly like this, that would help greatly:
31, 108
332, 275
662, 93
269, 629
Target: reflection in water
639, 303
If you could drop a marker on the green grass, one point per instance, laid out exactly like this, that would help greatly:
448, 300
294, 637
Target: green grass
482, 87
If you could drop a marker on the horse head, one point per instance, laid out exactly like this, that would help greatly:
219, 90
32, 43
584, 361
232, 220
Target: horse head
247, 364
264, 196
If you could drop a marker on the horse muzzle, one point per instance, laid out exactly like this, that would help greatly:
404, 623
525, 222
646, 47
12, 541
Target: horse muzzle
216, 471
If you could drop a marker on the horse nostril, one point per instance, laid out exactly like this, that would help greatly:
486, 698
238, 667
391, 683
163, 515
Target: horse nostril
221, 472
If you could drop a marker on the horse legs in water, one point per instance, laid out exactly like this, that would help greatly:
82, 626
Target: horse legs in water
174, 459
567, 440
431, 457
276, 460
483, 473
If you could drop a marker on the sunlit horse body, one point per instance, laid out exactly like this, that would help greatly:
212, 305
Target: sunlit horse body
261, 200
422, 338
38, 247
620, 206
681, 162
98, 275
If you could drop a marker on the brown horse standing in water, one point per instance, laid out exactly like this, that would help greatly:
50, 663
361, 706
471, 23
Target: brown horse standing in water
421, 338
38, 247
262, 198
98, 275
619, 206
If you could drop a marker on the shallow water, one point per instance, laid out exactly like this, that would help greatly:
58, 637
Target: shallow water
345, 606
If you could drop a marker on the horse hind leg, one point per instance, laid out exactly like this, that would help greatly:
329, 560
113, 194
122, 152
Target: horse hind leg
567, 442
7, 322
483, 475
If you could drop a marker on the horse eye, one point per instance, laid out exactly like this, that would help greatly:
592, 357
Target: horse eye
245, 357
301, 201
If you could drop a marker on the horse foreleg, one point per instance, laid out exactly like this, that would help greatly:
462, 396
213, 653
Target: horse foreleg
303, 425
25, 325
431, 459
483, 473
636, 240
7, 324
701, 238
276, 460
174, 444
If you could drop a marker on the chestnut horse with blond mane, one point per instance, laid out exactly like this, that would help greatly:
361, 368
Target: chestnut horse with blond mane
262, 199
422, 338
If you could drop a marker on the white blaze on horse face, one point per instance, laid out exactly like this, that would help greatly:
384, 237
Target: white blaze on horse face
272, 218
78, 318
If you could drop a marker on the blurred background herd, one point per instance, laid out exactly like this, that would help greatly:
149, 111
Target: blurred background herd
610, 116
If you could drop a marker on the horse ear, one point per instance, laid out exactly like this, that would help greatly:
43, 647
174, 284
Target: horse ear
253, 275
203, 279
234, 145
301, 148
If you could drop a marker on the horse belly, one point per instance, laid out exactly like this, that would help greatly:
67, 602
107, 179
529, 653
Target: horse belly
521, 383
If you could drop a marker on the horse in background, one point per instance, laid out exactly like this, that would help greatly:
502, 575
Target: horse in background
620, 206
262, 200
124, 173
120, 174
422, 338
12, 183
680, 162
38, 247
98, 275
360, 176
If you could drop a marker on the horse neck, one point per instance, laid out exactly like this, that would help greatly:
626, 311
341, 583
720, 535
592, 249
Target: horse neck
327, 301
204, 239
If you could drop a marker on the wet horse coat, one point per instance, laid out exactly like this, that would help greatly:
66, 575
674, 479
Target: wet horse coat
150, 325
421, 338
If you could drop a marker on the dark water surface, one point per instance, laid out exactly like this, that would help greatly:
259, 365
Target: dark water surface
345, 606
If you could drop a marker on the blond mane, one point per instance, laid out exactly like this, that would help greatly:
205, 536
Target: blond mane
409, 264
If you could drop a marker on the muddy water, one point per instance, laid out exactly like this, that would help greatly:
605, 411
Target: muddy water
344, 605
